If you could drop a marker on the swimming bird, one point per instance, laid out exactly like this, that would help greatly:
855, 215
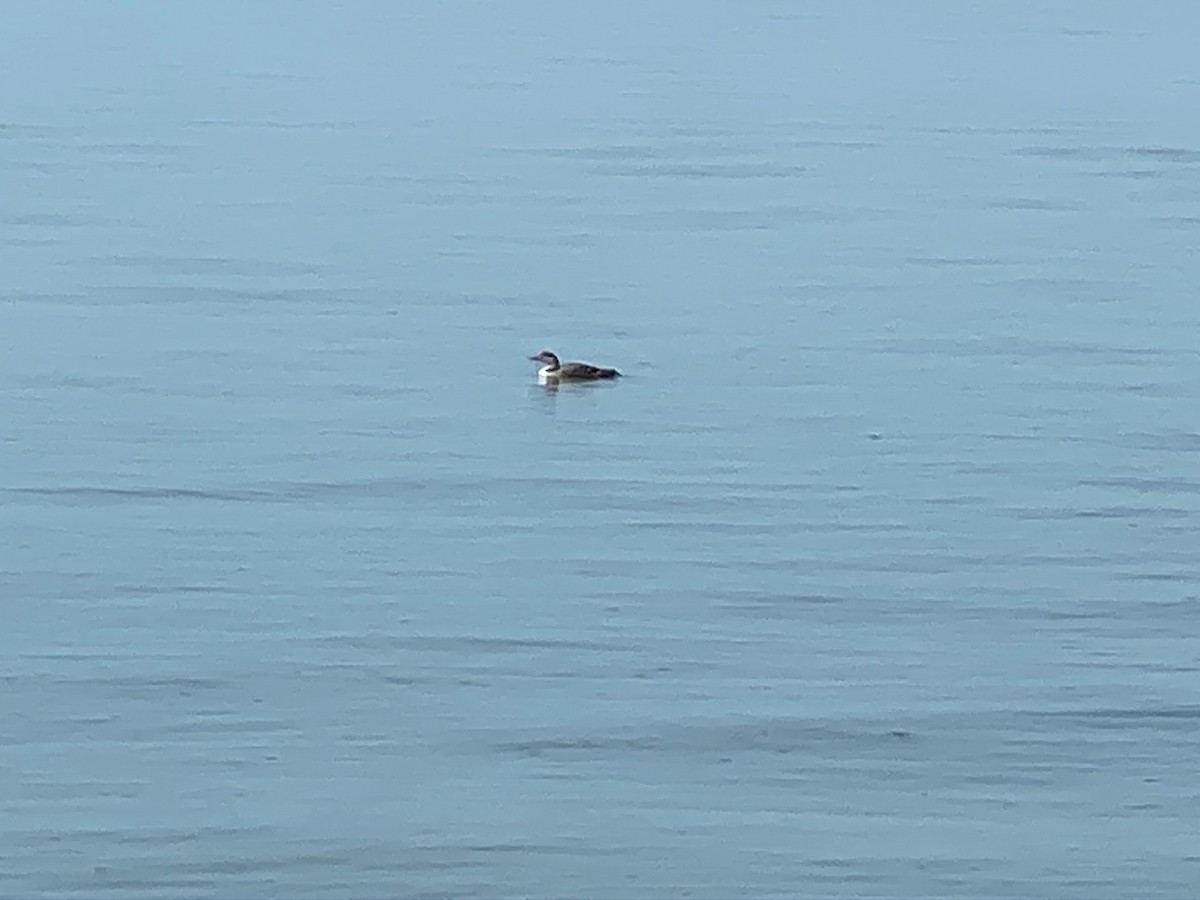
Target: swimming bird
555, 371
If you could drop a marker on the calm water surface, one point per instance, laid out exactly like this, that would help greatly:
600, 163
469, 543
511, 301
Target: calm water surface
877, 575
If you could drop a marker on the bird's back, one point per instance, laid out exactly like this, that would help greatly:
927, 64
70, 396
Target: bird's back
585, 372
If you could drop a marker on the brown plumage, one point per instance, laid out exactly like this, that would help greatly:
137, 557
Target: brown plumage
570, 371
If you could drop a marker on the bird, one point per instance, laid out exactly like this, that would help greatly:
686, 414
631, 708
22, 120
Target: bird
554, 371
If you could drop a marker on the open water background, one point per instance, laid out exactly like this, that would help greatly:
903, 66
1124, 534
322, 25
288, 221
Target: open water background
877, 575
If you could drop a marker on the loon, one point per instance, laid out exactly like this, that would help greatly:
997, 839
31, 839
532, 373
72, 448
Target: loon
555, 371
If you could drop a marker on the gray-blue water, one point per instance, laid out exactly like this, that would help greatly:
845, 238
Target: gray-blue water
876, 576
